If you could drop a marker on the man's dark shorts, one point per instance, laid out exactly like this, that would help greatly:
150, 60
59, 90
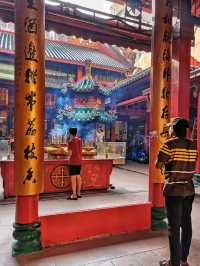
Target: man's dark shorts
74, 170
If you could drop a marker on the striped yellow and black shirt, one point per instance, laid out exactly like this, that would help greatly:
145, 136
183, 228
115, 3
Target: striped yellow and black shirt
179, 156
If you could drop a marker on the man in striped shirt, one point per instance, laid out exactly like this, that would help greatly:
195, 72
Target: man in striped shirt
178, 157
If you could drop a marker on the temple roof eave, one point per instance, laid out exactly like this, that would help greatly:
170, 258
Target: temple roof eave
66, 53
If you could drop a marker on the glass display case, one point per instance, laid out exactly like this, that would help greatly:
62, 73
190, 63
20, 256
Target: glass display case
57, 148
90, 150
115, 151
112, 150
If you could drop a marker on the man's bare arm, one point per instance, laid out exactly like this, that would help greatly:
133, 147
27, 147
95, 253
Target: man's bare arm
160, 165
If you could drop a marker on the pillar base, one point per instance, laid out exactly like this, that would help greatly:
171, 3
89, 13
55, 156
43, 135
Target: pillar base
158, 216
197, 179
27, 238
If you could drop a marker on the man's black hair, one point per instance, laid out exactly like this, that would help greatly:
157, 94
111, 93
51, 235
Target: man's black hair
73, 131
180, 132
180, 127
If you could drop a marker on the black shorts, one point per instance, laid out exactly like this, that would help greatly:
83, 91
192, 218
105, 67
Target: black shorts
74, 170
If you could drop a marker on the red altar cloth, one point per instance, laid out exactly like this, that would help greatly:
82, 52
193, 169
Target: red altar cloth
95, 174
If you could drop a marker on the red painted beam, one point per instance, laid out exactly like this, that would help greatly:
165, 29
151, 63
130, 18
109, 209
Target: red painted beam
132, 101
2, 51
62, 24
110, 31
132, 114
65, 228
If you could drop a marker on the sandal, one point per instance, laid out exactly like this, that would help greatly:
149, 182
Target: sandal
79, 196
72, 198
165, 263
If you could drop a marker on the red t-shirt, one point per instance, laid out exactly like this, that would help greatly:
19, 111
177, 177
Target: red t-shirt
75, 146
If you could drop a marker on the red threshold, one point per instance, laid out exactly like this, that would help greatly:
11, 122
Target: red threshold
64, 228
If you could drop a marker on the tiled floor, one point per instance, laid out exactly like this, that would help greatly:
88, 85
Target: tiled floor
130, 187
135, 167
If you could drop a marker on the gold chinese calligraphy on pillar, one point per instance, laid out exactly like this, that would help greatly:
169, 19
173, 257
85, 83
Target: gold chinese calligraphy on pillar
160, 80
29, 96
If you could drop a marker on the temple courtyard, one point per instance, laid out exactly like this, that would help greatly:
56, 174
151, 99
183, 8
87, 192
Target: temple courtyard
143, 249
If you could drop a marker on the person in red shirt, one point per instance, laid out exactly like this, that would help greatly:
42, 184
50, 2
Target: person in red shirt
75, 161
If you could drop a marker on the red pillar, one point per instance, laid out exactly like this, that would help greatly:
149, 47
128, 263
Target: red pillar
26, 209
146, 132
29, 123
180, 82
79, 73
198, 134
113, 135
160, 90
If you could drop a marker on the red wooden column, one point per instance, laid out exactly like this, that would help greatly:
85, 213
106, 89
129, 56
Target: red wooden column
160, 90
198, 137
113, 134
180, 80
29, 122
147, 93
146, 132
79, 74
